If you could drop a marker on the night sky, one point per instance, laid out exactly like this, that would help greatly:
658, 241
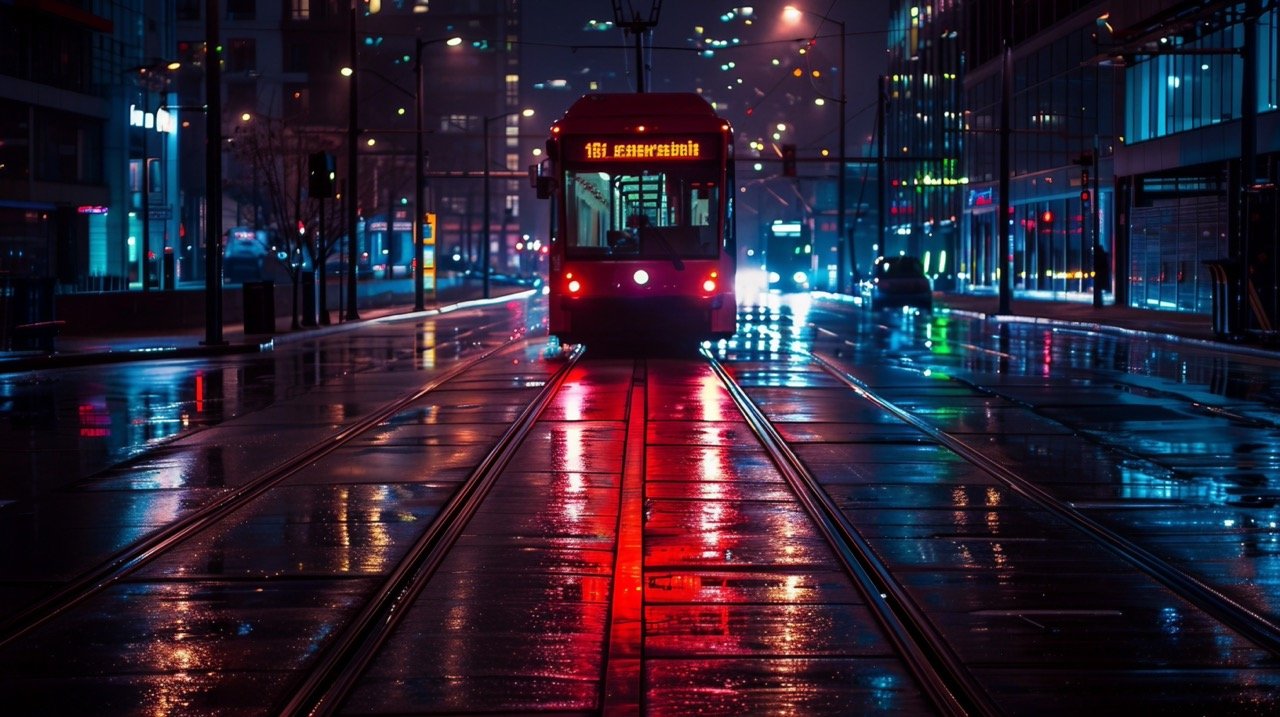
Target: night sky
756, 93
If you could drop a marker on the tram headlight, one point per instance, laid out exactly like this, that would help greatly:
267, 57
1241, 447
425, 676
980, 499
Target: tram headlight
641, 277
800, 278
574, 286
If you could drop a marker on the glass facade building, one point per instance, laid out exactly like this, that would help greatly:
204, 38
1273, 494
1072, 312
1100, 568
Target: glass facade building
102, 129
1142, 150
67, 136
1196, 165
1060, 137
924, 137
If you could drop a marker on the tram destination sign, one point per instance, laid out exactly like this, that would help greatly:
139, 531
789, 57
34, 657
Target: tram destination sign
650, 149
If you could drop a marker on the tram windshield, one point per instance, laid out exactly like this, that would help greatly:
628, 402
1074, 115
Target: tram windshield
648, 213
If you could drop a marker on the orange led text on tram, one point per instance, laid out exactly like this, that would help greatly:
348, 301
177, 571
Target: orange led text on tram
666, 149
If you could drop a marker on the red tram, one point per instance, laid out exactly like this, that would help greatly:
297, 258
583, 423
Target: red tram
642, 219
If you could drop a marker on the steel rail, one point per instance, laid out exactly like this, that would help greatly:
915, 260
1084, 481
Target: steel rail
134, 556
1253, 626
927, 655
347, 656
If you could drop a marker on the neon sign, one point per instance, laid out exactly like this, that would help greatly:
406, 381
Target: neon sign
649, 149
981, 197
161, 120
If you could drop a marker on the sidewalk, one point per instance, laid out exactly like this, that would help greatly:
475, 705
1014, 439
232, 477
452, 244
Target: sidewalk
109, 348
1079, 310
115, 347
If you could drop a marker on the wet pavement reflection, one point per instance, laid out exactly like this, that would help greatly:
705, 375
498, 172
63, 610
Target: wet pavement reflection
222, 621
1142, 434
672, 546
63, 425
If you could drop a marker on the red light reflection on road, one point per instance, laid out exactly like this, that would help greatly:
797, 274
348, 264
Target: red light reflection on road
711, 396
95, 422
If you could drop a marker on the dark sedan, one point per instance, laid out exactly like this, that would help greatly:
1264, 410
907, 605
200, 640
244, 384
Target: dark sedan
898, 282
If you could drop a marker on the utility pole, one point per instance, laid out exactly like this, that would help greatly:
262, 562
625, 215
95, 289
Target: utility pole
881, 179
638, 27
1006, 237
212, 179
353, 171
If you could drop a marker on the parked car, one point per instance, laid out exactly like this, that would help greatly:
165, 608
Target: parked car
897, 282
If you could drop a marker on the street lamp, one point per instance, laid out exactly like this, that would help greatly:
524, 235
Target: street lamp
353, 170
792, 14
213, 179
421, 203
484, 249
352, 71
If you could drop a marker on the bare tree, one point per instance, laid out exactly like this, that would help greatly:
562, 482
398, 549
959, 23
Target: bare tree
273, 180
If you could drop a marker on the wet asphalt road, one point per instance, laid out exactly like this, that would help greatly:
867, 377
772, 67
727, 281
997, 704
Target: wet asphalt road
739, 606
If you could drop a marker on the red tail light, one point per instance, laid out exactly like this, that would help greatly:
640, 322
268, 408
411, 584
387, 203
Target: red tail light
709, 284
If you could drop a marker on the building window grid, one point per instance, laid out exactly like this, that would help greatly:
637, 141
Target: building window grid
1174, 93
1055, 119
1268, 74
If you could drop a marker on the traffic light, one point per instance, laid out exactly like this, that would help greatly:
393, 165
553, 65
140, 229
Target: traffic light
788, 160
321, 172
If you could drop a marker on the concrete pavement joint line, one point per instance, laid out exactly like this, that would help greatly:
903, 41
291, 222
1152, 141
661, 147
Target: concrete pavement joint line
624, 669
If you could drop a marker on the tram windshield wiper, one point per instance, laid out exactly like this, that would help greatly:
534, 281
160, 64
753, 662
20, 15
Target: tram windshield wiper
657, 233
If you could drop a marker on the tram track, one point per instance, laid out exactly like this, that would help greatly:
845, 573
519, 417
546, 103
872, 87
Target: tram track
128, 560
626, 668
1258, 628
638, 658
347, 656
938, 670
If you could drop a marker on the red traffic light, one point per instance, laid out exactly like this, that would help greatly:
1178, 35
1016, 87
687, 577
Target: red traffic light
1084, 196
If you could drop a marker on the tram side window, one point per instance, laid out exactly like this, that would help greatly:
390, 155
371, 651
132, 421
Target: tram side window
588, 210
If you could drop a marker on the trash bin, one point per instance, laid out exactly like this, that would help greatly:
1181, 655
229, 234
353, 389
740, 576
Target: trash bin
1222, 272
259, 307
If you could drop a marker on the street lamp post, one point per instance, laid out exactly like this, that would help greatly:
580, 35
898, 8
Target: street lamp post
353, 171
213, 179
842, 244
419, 165
842, 254
484, 248
420, 203
419, 302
